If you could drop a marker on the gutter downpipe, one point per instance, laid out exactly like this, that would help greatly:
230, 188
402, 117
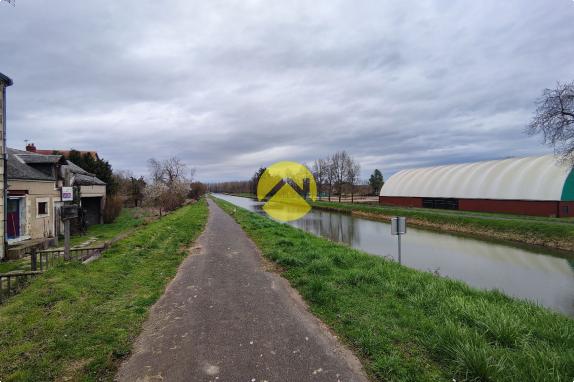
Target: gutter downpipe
4, 84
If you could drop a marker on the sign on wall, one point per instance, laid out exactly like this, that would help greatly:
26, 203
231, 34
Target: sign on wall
67, 194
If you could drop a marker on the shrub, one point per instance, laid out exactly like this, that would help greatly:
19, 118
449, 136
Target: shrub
112, 208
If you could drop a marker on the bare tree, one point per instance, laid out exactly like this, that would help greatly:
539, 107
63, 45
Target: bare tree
319, 169
340, 163
170, 185
330, 175
554, 118
352, 176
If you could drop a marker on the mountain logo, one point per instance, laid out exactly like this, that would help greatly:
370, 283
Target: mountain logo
286, 186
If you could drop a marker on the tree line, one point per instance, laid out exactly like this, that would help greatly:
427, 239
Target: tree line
336, 175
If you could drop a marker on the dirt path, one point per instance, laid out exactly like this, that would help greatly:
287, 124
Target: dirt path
225, 318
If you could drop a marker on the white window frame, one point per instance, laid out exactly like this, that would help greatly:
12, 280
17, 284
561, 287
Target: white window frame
42, 200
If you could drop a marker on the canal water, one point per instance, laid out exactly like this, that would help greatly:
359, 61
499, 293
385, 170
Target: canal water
524, 272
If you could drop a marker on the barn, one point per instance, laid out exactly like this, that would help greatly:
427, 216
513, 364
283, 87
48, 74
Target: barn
536, 185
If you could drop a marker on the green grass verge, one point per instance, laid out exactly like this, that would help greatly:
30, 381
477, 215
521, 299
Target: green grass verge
129, 218
409, 325
15, 265
77, 322
552, 232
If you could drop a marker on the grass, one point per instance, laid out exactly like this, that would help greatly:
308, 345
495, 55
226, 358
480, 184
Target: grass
408, 325
15, 265
77, 322
551, 232
128, 219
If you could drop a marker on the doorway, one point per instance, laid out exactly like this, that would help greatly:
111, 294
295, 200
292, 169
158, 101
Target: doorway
14, 218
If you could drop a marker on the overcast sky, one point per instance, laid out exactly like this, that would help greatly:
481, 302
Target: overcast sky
229, 86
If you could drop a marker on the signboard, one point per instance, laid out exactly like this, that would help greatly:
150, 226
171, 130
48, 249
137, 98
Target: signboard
398, 225
69, 212
67, 194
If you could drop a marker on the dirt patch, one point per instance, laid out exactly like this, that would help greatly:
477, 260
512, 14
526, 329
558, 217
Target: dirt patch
72, 372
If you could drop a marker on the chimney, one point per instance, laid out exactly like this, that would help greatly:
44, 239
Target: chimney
31, 147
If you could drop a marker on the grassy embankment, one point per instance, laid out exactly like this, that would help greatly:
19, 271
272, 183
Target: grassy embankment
129, 219
408, 325
77, 322
549, 232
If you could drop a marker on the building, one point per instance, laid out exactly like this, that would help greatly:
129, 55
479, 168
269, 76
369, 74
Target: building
536, 185
33, 197
4, 83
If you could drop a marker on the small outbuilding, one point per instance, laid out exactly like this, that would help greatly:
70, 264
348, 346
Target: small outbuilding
536, 185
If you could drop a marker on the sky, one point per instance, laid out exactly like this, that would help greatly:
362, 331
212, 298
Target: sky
230, 86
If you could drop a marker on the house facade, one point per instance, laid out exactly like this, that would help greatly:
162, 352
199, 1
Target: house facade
33, 197
4, 83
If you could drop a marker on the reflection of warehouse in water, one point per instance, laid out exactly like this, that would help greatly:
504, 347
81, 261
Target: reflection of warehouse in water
530, 186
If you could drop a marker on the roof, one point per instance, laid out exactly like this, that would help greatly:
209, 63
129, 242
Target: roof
529, 178
87, 180
6, 80
38, 158
84, 178
66, 153
19, 167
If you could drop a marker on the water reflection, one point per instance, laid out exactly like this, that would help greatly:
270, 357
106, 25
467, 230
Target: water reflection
517, 271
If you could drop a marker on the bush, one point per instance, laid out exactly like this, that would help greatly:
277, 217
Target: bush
197, 190
112, 208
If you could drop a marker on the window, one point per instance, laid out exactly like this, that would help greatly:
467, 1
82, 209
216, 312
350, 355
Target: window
442, 203
42, 208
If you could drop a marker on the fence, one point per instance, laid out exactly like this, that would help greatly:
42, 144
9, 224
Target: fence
11, 283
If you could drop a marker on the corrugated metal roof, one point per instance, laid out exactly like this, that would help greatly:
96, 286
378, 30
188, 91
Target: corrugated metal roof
529, 178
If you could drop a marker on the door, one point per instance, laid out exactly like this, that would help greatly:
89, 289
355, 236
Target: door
92, 206
13, 218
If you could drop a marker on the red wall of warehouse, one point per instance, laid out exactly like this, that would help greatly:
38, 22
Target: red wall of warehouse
519, 207
566, 209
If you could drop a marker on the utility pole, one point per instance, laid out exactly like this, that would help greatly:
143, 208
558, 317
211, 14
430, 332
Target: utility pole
69, 210
67, 183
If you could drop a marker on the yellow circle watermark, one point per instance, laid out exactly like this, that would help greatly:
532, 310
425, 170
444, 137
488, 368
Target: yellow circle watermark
283, 184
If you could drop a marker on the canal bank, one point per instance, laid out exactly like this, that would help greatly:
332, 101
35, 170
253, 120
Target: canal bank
526, 272
411, 325
552, 233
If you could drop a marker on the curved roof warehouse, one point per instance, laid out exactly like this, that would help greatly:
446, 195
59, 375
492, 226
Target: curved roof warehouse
537, 185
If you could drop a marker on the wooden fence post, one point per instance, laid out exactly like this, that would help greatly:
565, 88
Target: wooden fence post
34, 260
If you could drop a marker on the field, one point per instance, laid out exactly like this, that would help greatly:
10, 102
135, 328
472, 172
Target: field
77, 322
408, 325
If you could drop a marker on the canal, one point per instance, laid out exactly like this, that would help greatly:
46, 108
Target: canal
523, 272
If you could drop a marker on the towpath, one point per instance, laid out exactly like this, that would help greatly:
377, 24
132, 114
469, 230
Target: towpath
226, 318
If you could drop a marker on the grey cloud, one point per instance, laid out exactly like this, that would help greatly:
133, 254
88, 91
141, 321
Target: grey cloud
232, 85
